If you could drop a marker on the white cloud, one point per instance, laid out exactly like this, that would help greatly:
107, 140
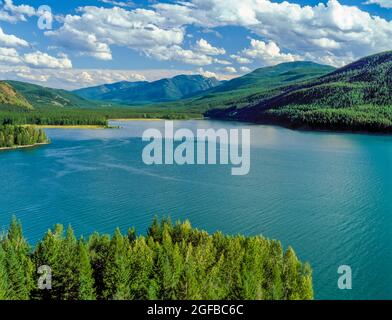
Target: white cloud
381, 3
83, 42
176, 53
9, 55
268, 53
240, 60
14, 13
346, 31
33, 77
206, 73
223, 62
245, 69
66, 78
43, 60
219, 76
230, 70
204, 47
10, 40
96, 29
119, 3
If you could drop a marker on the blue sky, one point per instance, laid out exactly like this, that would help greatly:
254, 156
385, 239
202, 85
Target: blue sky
71, 44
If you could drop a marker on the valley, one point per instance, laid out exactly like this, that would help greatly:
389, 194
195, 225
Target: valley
298, 95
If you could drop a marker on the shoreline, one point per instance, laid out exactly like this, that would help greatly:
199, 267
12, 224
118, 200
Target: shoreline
49, 126
24, 147
136, 119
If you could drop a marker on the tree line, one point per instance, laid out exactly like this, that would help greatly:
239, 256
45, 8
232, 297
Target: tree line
171, 262
11, 136
360, 118
100, 117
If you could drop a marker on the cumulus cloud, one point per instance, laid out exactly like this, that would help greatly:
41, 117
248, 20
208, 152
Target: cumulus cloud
10, 40
119, 3
217, 75
96, 29
245, 69
83, 42
268, 53
330, 31
240, 60
206, 73
66, 78
204, 47
14, 13
230, 70
176, 53
39, 59
381, 3
9, 55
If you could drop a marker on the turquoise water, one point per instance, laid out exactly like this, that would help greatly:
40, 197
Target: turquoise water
326, 194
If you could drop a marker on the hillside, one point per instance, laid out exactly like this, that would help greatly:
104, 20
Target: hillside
11, 98
163, 90
255, 86
43, 97
355, 97
274, 76
99, 92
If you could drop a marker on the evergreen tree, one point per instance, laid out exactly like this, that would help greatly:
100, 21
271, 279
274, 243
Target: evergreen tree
4, 289
86, 281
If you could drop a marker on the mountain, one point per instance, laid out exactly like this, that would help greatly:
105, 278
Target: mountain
257, 85
278, 75
99, 92
43, 97
164, 90
357, 96
10, 97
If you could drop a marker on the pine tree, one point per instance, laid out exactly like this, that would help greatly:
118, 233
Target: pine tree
18, 263
4, 289
117, 270
99, 249
86, 280
291, 270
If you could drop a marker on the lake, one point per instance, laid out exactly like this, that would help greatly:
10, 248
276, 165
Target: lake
326, 194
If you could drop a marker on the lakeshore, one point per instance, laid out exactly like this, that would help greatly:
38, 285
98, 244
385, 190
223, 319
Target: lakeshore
24, 147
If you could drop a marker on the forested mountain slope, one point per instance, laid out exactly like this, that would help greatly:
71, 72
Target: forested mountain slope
355, 97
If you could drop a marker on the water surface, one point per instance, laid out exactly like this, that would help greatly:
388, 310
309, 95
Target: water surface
326, 194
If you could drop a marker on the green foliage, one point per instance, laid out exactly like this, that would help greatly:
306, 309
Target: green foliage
172, 262
16, 266
360, 118
11, 136
355, 97
63, 117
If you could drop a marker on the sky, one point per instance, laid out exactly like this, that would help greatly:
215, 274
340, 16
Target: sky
74, 44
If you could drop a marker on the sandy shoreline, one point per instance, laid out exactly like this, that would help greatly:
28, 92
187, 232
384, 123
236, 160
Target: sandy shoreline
137, 119
66, 126
24, 147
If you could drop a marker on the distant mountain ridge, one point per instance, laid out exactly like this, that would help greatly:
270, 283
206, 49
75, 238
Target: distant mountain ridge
164, 90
